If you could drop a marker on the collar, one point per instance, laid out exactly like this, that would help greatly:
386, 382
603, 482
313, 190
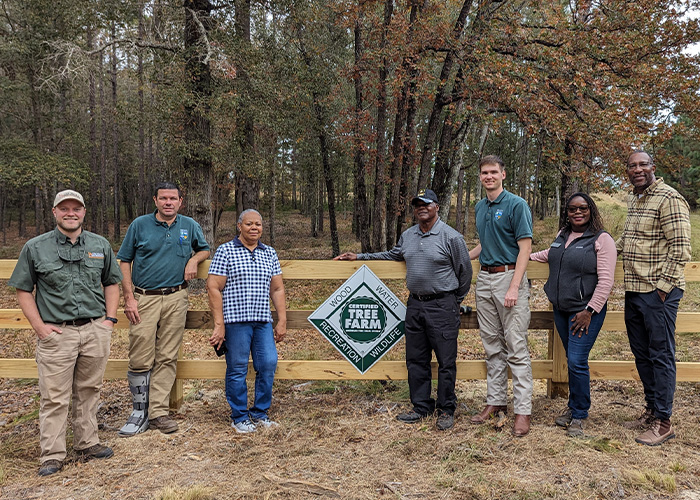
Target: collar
498, 199
650, 188
162, 223
238, 243
433, 230
62, 238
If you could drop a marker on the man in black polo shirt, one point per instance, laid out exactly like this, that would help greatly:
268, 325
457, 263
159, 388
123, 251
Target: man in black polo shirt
438, 275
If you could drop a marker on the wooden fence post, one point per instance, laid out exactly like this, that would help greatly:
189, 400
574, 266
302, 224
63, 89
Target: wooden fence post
558, 385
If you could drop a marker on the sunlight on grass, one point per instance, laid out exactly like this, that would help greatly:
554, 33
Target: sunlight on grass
196, 492
27, 417
650, 480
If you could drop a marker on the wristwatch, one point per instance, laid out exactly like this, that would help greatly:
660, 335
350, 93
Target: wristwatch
113, 320
590, 309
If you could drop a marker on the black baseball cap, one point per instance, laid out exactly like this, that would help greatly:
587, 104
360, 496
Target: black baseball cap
426, 196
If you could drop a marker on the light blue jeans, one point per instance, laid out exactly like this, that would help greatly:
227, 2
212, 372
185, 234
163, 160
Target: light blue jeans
243, 340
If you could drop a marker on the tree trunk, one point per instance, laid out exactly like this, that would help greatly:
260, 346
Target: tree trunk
379, 217
361, 213
115, 144
94, 186
441, 96
197, 130
142, 193
103, 199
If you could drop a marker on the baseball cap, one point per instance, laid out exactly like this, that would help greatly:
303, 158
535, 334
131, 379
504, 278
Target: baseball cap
68, 194
426, 196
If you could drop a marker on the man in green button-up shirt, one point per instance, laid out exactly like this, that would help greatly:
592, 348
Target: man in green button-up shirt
76, 278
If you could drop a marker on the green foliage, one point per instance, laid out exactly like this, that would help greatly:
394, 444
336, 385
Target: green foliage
24, 165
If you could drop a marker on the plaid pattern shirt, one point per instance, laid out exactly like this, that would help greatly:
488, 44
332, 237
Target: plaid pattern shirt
655, 243
246, 295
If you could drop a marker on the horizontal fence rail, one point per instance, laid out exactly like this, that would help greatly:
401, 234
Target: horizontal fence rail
553, 369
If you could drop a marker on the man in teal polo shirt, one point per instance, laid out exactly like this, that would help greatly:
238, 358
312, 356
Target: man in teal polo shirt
77, 293
160, 252
504, 224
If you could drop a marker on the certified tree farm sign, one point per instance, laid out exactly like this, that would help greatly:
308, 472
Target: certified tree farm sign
363, 319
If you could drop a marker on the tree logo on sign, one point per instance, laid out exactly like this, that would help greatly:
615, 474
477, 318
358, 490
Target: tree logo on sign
363, 319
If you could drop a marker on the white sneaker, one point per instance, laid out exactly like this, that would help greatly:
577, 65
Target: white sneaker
244, 426
266, 422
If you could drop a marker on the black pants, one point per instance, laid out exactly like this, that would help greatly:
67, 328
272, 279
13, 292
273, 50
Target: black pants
651, 329
432, 326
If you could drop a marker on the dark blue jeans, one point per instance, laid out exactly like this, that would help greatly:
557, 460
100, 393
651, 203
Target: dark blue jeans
243, 340
577, 351
432, 326
651, 330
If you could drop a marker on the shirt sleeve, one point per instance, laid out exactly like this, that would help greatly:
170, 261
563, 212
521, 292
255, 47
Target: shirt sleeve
219, 264
541, 256
111, 274
127, 250
276, 268
24, 275
606, 254
199, 242
675, 223
395, 253
522, 221
462, 266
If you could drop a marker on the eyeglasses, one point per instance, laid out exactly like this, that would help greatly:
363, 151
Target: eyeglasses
642, 164
573, 210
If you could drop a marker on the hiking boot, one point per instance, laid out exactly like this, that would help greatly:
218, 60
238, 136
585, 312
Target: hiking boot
564, 419
50, 467
244, 426
95, 451
164, 424
644, 420
265, 422
445, 421
575, 428
410, 417
488, 412
659, 432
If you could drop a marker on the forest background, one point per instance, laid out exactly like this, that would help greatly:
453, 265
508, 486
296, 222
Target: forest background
337, 105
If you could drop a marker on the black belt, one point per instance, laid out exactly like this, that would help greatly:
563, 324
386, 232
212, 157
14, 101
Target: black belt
433, 296
498, 269
161, 291
79, 321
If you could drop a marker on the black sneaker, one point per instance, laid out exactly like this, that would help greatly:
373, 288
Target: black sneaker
564, 419
50, 467
410, 417
445, 421
95, 451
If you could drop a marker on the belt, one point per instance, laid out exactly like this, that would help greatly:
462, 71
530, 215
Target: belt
161, 291
498, 269
79, 321
434, 296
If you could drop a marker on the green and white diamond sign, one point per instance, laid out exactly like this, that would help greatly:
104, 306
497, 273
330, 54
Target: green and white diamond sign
363, 319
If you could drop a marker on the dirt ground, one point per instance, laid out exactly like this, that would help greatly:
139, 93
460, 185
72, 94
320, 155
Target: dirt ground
341, 439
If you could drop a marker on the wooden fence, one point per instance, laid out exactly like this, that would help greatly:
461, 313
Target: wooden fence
554, 369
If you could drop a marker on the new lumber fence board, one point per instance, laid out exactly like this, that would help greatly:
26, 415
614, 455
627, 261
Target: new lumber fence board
553, 369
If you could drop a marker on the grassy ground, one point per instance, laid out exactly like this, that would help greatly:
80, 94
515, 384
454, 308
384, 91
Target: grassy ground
341, 440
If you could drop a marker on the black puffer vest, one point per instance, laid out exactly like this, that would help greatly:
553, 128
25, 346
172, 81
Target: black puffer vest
573, 271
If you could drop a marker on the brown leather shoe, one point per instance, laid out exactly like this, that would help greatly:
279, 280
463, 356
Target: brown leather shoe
164, 424
521, 426
488, 412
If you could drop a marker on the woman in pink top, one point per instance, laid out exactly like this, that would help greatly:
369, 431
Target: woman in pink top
581, 272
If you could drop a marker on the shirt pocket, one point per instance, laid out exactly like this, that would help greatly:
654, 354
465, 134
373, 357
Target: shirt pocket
54, 273
184, 249
93, 271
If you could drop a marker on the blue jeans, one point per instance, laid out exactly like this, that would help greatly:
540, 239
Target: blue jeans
651, 330
242, 340
577, 351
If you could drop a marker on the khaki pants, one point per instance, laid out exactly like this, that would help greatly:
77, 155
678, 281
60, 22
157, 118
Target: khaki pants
74, 360
503, 333
154, 344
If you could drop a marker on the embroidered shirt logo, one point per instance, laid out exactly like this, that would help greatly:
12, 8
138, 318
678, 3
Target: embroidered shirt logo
96, 255
183, 235
499, 214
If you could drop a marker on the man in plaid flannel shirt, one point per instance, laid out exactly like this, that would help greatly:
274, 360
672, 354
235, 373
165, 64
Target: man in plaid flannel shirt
655, 246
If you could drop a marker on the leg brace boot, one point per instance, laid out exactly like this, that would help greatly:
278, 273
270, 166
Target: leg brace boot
138, 420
